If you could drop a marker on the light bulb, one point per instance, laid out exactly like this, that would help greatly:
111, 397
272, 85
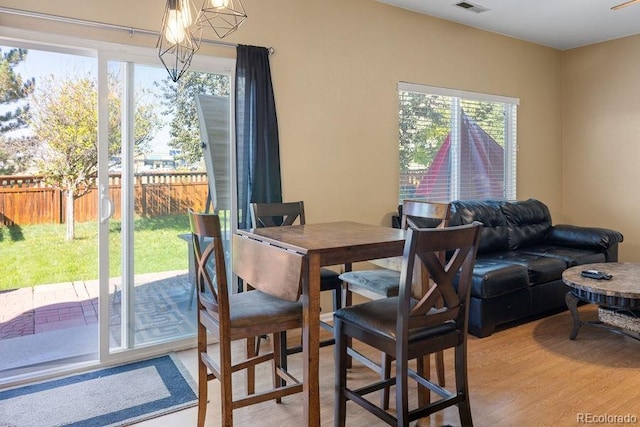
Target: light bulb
218, 4
175, 27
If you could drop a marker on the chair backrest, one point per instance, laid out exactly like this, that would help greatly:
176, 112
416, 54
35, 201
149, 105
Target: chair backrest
421, 303
425, 214
211, 273
437, 214
277, 214
268, 268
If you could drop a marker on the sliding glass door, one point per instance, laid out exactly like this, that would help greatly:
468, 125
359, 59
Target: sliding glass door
116, 268
48, 205
156, 150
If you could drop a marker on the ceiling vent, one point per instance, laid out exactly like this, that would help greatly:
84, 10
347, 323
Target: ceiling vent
471, 7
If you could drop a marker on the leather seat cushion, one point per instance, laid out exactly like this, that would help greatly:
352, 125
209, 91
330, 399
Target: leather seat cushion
492, 278
540, 268
571, 256
381, 316
382, 282
252, 308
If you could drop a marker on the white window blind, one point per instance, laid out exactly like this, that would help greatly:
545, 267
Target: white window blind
456, 145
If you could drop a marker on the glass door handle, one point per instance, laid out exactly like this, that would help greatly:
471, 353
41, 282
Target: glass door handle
106, 205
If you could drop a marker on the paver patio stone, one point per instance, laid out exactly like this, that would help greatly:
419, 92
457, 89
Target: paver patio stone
44, 308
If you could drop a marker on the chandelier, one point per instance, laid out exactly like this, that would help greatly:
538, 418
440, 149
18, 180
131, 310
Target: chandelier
223, 16
182, 27
180, 37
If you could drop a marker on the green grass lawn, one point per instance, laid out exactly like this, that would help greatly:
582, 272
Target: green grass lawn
39, 254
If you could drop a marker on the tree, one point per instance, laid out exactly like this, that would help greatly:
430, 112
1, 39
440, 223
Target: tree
64, 120
13, 89
146, 119
16, 154
180, 100
5, 167
423, 128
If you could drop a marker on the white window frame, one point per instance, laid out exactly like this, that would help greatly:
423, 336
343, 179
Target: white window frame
510, 145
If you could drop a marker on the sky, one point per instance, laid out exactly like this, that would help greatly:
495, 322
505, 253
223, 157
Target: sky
41, 64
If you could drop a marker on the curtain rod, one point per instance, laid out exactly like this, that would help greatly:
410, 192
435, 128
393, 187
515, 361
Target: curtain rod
130, 30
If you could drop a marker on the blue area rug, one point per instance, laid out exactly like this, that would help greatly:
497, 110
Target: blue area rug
116, 396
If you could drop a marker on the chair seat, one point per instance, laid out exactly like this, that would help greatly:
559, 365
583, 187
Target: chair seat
381, 282
257, 310
380, 317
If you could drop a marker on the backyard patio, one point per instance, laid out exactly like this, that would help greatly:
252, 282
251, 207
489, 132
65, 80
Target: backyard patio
63, 318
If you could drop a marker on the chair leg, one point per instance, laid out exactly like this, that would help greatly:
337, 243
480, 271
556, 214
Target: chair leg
424, 370
226, 385
340, 356
462, 387
283, 352
347, 301
337, 298
440, 367
202, 374
251, 370
439, 356
278, 358
402, 391
385, 373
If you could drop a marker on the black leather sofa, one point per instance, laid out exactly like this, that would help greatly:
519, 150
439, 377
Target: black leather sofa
521, 257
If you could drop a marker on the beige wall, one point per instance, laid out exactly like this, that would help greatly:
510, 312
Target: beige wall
335, 72
601, 110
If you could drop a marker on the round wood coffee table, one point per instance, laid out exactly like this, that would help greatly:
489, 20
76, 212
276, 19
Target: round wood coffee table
621, 293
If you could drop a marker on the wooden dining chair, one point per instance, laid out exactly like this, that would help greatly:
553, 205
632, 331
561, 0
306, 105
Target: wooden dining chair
384, 283
271, 308
291, 213
411, 325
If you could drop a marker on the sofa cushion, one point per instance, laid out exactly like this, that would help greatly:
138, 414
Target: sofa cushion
492, 278
540, 268
571, 256
528, 222
494, 235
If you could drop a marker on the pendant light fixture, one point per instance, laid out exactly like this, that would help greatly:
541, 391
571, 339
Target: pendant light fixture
182, 26
223, 16
180, 37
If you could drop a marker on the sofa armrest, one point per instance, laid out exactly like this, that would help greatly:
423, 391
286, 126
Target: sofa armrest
583, 237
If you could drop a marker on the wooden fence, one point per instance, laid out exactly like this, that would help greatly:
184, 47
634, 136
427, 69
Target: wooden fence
28, 200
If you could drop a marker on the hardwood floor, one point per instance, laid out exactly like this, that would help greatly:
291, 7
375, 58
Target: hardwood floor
529, 375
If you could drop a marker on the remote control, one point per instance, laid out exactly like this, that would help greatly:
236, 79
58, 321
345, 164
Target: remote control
595, 274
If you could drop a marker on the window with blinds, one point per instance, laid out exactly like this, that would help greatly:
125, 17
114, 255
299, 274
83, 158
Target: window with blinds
456, 145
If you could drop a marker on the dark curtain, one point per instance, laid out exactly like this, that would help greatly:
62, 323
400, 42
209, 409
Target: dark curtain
257, 144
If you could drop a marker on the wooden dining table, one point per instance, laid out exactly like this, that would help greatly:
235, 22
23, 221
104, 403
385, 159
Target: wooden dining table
325, 244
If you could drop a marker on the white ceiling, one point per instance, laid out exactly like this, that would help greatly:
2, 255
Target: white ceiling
561, 24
